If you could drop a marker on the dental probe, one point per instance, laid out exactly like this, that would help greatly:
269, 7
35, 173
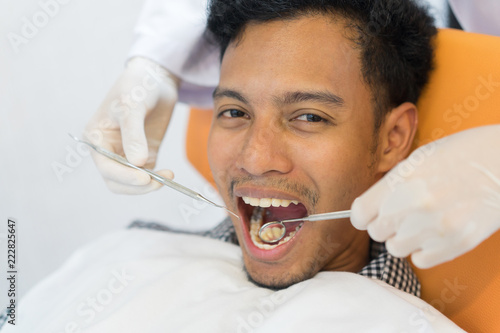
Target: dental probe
281, 224
162, 180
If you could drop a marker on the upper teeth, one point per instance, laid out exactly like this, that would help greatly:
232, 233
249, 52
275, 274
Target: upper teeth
268, 202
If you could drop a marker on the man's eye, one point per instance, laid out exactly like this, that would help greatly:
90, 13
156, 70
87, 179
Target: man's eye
312, 118
233, 113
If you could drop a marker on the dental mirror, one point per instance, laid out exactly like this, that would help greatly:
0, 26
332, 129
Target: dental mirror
272, 232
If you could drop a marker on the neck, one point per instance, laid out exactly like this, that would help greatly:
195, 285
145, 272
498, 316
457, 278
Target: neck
354, 257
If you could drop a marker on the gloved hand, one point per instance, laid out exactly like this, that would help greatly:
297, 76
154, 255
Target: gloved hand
440, 202
132, 121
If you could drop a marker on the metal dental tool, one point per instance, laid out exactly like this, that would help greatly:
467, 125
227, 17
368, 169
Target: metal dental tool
165, 181
273, 237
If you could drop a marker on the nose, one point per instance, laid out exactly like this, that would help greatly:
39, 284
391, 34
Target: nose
264, 151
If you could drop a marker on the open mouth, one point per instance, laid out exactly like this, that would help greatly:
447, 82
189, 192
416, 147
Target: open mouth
258, 211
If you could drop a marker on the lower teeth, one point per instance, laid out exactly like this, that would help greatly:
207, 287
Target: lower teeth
255, 224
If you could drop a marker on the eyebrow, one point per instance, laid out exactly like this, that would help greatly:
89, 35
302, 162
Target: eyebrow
219, 93
324, 97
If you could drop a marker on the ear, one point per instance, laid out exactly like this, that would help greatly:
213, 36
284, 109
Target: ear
396, 135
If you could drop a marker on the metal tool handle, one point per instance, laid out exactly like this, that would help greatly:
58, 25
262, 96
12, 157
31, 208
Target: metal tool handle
155, 176
165, 181
323, 216
329, 216
174, 185
185, 190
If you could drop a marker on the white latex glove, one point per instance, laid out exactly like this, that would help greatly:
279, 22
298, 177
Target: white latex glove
132, 121
440, 202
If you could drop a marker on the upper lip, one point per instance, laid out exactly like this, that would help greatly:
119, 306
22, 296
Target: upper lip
259, 192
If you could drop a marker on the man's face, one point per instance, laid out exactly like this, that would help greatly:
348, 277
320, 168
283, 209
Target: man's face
293, 121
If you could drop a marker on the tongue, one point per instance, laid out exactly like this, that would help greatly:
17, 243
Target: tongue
283, 213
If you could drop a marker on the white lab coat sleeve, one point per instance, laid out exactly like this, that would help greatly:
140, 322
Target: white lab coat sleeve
480, 16
170, 32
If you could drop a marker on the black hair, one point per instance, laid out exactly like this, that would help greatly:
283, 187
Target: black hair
395, 38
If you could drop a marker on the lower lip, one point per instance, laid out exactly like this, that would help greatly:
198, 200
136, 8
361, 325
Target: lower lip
258, 254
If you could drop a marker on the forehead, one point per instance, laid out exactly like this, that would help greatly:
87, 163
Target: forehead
310, 52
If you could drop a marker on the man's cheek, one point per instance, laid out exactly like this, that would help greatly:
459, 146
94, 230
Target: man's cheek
210, 152
215, 156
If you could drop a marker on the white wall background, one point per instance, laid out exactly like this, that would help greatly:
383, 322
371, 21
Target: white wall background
49, 87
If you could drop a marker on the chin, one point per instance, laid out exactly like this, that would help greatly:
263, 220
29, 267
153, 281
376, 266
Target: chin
274, 279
